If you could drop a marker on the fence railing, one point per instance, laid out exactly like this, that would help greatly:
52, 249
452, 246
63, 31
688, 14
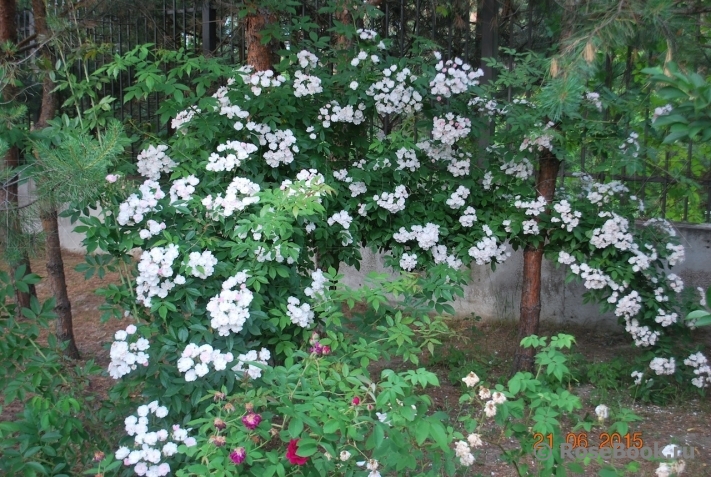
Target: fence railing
216, 28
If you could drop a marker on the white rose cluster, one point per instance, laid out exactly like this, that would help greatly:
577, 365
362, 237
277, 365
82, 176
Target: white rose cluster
665, 318
629, 305
306, 85
427, 236
341, 218
318, 285
306, 182
183, 189
335, 113
299, 313
393, 202
458, 162
458, 198
487, 249
155, 265
194, 361
641, 260
150, 447
228, 109
642, 335
408, 261
468, 217
488, 107
530, 227
594, 98
134, 208
613, 232
569, 219
487, 181
631, 144
201, 265
677, 254
565, 258
366, 35
453, 77
282, 144
522, 169
463, 451
395, 96
152, 228
661, 111
125, 356
594, 279
230, 309
244, 362
538, 143
663, 366
237, 152
450, 129
260, 79
675, 282
307, 59
184, 117
407, 159
598, 193
153, 161
240, 193
701, 369
357, 188
534, 207
440, 255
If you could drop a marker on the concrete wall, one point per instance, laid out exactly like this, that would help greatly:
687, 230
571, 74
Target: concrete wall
496, 295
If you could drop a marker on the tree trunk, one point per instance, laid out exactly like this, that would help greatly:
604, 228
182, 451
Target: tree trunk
261, 57
532, 260
488, 21
48, 215
58, 283
9, 191
344, 17
488, 30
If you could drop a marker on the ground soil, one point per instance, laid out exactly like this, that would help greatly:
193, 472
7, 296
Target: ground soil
686, 422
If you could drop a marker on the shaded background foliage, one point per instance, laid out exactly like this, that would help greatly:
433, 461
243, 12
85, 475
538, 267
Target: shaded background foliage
610, 43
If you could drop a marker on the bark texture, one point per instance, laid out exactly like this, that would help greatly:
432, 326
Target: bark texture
9, 191
58, 283
343, 16
530, 317
260, 56
48, 215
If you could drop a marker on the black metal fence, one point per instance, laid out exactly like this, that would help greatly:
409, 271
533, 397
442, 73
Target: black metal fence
215, 27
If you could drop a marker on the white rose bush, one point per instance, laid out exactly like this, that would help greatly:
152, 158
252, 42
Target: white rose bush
272, 179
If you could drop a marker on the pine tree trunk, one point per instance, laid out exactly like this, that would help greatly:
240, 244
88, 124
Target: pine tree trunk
9, 192
50, 225
58, 283
343, 16
529, 320
261, 57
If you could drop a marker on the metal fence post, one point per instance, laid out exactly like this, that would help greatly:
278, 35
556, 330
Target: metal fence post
209, 28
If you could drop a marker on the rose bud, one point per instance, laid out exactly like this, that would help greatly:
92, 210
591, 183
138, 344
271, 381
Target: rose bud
326, 350
219, 396
229, 407
251, 420
355, 401
220, 424
98, 456
249, 407
218, 441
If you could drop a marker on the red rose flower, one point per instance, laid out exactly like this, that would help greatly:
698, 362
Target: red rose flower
291, 453
356, 401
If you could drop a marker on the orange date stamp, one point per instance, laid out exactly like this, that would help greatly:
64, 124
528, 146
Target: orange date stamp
583, 439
